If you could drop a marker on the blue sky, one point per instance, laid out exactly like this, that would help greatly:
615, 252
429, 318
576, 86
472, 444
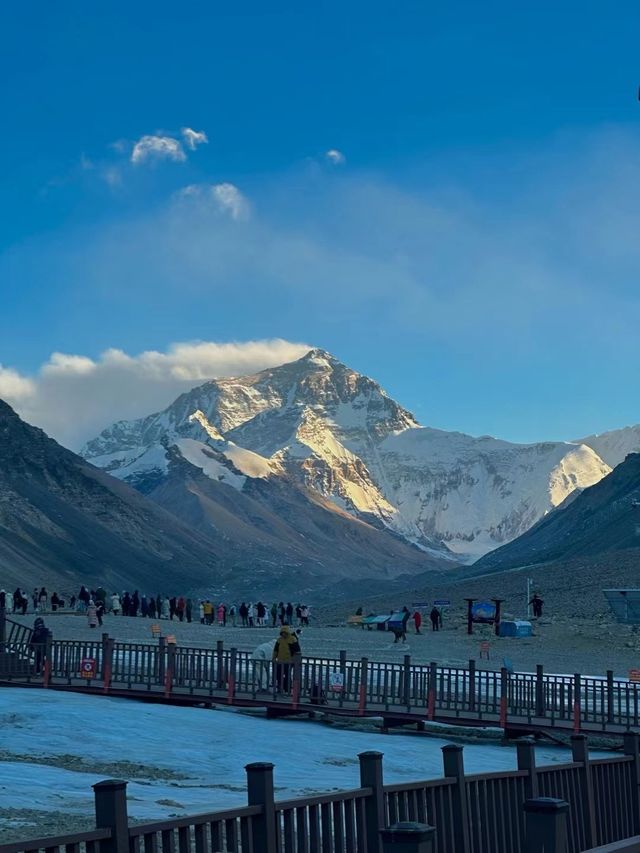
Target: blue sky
473, 246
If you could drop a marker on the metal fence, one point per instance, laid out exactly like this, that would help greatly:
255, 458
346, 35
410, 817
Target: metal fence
471, 814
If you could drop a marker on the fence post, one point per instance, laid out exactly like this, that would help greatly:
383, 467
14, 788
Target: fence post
433, 681
610, 690
364, 680
632, 749
527, 761
540, 709
580, 751
110, 798
107, 661
162, 647
472, 685
408, 837
545, 825
220, 664
504, 696
454, 768
406, 682
46, 664
231, 680
171, 665
296, 673
371, 777
260, 793
576, 703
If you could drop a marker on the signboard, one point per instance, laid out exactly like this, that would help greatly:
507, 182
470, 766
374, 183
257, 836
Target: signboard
483, 611
420, 604
634, 675
336, 682
88, 668
442, 602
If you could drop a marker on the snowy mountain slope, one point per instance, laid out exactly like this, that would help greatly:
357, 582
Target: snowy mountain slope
336, 432
614, 446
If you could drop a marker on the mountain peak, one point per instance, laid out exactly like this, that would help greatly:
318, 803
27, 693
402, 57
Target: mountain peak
319, 357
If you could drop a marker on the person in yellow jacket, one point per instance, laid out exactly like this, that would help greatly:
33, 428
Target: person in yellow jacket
285, 648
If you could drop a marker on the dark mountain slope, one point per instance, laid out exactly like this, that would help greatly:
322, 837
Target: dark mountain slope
62, 521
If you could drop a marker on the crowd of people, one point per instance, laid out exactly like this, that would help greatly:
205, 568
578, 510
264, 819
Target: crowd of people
97, 602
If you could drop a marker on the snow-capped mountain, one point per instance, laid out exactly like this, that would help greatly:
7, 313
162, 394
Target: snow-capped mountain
614, 446
320, 424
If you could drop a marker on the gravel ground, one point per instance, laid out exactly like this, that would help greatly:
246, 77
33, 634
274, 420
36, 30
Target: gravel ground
589, 646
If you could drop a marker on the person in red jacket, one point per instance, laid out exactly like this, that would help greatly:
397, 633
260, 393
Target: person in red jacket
417, 621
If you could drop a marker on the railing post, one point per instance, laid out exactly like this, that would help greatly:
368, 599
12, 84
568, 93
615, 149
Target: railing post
580, 751
296, 679
472, 685
527, 761
371, 777
171, 668
162, 649
46, 664
454, 769
433, 681
408, 837
610, 692
364, 681
260, 793
107, 661
632, 749
110, 799
406, 682
540, 709
504, 697
231, 678
220, 664
577, 709
545, 825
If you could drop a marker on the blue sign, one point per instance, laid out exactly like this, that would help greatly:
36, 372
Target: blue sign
442, 602
483, 611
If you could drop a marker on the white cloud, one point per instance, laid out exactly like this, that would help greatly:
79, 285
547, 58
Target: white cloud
226, 198
335, 157
193, 138
13, 386
157, 148
74, 397
230, 199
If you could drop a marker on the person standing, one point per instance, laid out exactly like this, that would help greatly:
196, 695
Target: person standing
285, 649
244, 614
116, 607
181, 605
166, 608
99, 610
38, 643
201, 612
43, 600
126, 604
274, 615
152, 607
435, 618
417, 620
233, 611
135, 603
92, 614
289, 613
188, 609
536, 602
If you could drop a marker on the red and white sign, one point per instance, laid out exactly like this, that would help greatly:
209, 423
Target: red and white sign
634, 675
88, 668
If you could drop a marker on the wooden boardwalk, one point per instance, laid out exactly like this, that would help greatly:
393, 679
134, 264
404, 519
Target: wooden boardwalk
399, 693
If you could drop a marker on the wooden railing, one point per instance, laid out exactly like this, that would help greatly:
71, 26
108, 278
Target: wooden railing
455, 694
471, 814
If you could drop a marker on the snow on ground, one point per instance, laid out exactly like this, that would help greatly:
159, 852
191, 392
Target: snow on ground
55, 745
